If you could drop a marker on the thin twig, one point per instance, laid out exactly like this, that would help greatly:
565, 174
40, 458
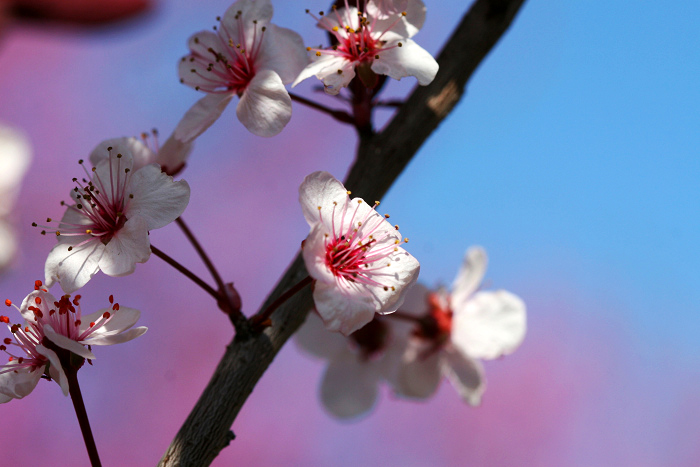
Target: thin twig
80, 412
337, 114
187, 273
264, 315
234, 313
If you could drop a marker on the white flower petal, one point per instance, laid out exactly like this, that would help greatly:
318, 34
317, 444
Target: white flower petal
396, 279
142, 154
18, 383
283, 52
265, 106
67, 343
73, 269
314, 253
30, 300
106, 176
157, 198
201, 116
350, 385
420, 371
416, 301
321, 189
119, 338
15, 156
55, 368
490, 325
341, 310
326, 65
406, 26
120, 320
196, 73
8, 244
130, 245
465, 374
173, 155
335, 72
469, 276
408, 60
313, 337
251, 10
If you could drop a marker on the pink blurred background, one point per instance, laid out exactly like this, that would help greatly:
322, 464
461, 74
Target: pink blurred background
608, 373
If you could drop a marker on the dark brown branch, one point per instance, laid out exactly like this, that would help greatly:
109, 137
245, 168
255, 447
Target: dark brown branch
380, 160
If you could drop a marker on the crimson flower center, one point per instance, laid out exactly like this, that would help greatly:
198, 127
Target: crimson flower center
344, 259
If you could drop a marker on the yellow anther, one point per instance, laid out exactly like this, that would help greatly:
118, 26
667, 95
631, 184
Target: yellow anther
396, 226
318, 54
308, 49
319, 208
359, 201
386, 216
335, 28
376, 203
349, 192
403, 13
88, 231
405, 240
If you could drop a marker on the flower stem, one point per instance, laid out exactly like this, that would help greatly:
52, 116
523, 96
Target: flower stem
187, 273
259, 319
233, 311
337, 114
77, 398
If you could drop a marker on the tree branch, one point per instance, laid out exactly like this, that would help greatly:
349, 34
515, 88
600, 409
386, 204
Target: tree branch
380, 160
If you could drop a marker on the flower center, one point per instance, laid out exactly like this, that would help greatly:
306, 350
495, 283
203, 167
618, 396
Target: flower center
357, 38
437, 324
231, 66
354, 252
100, 204
345, 259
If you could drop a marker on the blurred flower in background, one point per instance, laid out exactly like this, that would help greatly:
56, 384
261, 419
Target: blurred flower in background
15, 155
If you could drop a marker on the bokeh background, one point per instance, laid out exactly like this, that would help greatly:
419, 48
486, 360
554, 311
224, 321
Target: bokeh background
573, 160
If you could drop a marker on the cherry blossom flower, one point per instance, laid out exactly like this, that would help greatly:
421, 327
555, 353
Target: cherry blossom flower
171, 156
357, 364
58, 324
249, 57
15, 155
456, 331
106, 228
354, 255
370, 43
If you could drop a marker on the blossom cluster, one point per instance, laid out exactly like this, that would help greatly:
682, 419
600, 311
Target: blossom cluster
434, 334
